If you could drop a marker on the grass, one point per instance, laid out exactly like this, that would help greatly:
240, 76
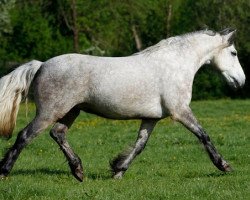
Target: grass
173, 165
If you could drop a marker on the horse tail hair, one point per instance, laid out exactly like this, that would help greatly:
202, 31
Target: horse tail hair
12, 87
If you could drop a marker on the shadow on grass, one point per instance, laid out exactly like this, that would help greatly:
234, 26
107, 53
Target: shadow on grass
56, 172
95, 176
218, 174
209, 175
39, 171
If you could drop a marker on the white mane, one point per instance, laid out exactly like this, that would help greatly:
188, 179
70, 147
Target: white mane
170, 42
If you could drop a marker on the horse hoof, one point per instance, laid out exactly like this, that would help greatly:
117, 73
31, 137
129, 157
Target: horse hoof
77, 171
3, 177
227, 167
78, 175
118, 175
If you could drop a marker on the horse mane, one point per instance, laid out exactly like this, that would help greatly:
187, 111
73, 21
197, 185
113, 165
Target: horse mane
180, 39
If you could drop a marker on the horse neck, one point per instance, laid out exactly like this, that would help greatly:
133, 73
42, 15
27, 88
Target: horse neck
186, 53
204, 49
184, 56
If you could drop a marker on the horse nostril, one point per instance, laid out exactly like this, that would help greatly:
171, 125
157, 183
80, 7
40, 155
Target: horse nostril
237, 83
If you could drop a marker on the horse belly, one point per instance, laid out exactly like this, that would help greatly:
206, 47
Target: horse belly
117, 107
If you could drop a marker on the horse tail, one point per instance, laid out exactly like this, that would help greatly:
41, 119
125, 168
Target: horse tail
12, 87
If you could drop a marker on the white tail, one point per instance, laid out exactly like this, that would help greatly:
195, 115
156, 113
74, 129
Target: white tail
12, 87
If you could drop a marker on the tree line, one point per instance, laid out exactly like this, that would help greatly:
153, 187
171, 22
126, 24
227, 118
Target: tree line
41, 29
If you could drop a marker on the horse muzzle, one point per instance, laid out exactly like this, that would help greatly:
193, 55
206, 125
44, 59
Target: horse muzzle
235, 81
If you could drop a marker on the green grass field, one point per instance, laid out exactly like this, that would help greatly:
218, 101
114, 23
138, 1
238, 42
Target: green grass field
173, 165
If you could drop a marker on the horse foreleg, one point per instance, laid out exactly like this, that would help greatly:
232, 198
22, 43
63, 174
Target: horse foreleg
187, 118
58, 133
23, 138
121, 163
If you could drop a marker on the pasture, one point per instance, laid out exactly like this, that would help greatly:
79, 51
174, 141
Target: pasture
173, 166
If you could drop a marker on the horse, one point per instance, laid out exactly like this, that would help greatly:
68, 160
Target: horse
149, 86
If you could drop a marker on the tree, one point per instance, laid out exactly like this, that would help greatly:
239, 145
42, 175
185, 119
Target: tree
5, 22
192, 15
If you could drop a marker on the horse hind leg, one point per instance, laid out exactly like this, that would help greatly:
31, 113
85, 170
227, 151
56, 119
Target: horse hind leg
58, 133
24, 137
121, 163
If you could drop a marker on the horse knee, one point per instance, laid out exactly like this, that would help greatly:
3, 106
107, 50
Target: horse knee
58, 132
58, 129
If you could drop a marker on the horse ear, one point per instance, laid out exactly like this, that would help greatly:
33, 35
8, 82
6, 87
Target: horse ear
226, 31
228, 35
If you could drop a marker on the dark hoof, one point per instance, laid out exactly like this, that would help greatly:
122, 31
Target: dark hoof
78, 174
225, 167
77, 171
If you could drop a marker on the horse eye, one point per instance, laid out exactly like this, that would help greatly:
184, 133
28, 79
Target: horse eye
234, 53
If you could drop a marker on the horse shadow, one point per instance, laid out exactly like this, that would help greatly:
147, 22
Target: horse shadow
207, 175
57, 172
45, 171
105, 175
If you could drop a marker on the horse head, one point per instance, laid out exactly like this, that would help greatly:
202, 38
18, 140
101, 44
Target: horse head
226, 60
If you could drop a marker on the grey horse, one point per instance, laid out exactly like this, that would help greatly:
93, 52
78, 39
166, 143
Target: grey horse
150, 85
